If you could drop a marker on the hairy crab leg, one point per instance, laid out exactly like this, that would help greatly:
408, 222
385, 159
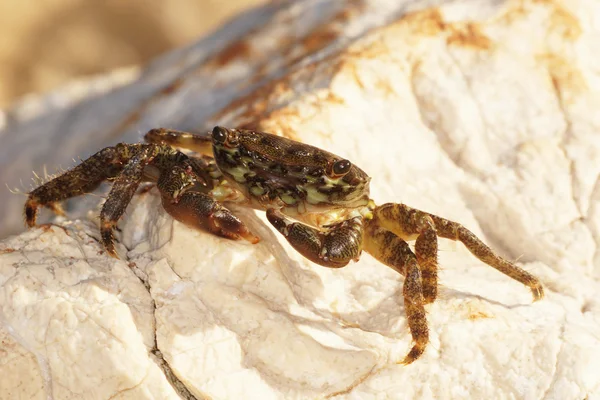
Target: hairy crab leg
394, 252
407, 222
426, 250
122, 191
334, 246
203, 165
81, 179
198, 143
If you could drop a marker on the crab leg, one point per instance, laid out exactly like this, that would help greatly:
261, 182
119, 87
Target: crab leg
203, 165
408, 222
332, 247
198, 143
426, 249
394, 252
79, 180
122, 191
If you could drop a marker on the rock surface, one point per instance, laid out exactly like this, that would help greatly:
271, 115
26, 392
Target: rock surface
482, 112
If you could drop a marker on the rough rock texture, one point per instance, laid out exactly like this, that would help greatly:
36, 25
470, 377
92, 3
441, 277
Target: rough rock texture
483, 112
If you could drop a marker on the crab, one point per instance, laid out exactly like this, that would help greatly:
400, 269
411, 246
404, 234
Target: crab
318, 201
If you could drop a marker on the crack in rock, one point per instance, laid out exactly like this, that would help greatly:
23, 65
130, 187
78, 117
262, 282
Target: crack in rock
177, 385
175, 382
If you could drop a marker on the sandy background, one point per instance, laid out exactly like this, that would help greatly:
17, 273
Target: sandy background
45, 43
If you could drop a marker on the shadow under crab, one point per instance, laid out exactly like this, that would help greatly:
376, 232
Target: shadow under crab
318, 201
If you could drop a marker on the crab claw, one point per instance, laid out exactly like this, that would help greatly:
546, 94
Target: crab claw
224, 223
201, 211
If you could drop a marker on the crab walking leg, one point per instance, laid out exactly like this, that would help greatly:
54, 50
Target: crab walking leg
198, 143
394, 252
78, 180
199, 210
406, 222
426, 250
122, 191
202, 165
334, 247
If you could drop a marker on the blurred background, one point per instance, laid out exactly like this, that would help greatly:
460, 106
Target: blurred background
46, 43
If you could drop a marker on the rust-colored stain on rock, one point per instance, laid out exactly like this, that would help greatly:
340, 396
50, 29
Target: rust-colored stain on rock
252, 108
46, 227
567, 80
172, 87
428, 22
237, 50
472, 310
323, 35
560, 20
431, 22
319, 39
468, 35
564, 23
478, 315
49, 227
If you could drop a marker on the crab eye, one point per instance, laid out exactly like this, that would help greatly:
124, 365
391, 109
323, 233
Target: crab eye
341, 167
219, 134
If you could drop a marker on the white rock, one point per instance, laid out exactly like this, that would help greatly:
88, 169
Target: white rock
486, 115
